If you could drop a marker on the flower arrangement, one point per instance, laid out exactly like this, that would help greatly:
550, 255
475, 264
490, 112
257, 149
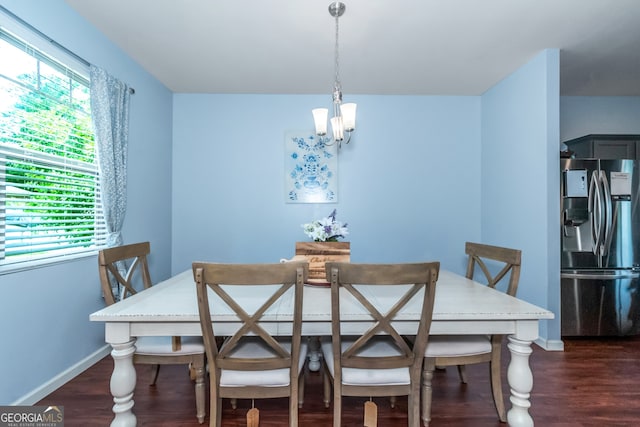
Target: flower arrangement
326, 229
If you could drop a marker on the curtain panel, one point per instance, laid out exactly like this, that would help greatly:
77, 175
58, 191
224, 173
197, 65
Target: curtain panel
110, 115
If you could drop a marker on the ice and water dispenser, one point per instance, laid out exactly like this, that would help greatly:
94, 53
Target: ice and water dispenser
576, 235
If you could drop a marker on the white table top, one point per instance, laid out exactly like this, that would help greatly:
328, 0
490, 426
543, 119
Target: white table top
459, 303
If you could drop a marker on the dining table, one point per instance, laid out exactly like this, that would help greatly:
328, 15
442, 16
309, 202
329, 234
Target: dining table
462, 307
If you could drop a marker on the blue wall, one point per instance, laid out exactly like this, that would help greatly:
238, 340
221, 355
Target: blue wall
408, 181
44, 313
583, 115
520, 176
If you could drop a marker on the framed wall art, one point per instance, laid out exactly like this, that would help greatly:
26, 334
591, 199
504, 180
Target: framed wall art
311, 168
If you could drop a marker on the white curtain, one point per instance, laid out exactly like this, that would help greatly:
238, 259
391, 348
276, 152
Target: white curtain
110, 115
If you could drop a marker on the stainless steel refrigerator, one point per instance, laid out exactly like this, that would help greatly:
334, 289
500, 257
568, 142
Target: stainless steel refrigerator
600, 227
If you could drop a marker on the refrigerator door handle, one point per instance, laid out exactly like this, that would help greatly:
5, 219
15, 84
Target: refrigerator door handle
595, 211
608, 217
601, 276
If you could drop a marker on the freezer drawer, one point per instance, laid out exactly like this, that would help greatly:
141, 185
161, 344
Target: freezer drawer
599, 303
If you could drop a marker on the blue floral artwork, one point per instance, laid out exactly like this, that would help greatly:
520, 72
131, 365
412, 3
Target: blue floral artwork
311, 169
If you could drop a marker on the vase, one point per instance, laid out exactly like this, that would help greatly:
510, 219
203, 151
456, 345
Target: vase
317, 253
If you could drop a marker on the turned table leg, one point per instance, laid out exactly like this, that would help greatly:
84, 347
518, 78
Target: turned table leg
314, 354
123, 383
520, 382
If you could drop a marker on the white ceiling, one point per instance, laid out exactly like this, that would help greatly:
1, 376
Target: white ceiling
425, 47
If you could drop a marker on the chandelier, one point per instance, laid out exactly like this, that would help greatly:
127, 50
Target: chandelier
344, 115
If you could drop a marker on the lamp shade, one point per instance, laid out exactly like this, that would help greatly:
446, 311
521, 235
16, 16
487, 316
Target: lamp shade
348, 111
337, 127
320, 118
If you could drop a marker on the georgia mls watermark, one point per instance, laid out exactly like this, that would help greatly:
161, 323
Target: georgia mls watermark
31, 416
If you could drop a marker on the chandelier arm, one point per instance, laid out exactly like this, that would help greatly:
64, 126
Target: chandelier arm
329, 142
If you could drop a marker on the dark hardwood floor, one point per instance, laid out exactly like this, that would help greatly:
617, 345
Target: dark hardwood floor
594, 382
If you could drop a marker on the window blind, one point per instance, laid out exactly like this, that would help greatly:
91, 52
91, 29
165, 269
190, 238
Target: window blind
49, 180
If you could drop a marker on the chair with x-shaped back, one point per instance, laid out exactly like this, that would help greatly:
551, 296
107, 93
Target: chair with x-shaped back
497, 264
380, 362
120, 281
251, 363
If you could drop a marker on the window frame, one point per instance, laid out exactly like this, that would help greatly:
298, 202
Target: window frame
48, 52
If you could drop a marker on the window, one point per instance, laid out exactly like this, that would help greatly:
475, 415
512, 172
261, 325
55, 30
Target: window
49, 187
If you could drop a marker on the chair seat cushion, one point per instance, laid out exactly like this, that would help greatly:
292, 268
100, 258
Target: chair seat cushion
377, 347
253, 347
162, 345
457, 345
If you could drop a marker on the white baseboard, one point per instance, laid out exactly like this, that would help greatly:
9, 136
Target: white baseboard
550, 345
62, 378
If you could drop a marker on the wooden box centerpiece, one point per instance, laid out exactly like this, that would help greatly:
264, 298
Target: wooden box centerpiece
317, 253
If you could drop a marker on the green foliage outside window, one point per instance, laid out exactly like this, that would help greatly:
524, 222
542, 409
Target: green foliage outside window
47, 158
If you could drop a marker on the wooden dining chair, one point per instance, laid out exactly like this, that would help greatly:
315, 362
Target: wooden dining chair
251, 363
501, 270
124, 271
380, 362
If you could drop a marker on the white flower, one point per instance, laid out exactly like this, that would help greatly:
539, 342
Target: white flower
326, 229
